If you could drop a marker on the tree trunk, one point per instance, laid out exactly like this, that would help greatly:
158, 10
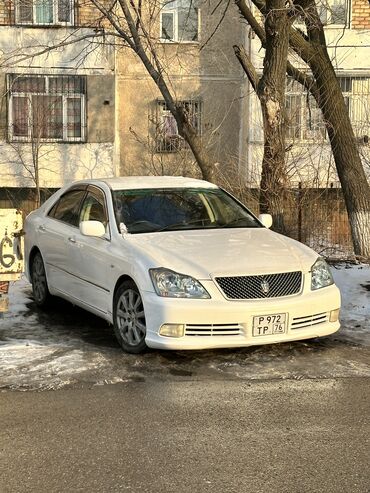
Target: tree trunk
356, 190
35, 162
271, 93
189, 133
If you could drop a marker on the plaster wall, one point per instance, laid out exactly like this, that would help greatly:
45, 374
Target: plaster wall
60, 163
206, 70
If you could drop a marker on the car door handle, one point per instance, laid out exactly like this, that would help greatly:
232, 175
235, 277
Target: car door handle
42, 228
71, 239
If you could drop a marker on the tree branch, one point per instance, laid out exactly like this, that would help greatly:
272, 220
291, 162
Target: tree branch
247, 65
304, 79
252, 21
297, 40
259, 30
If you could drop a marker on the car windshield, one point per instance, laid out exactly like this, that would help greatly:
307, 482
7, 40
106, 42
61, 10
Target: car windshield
175, 209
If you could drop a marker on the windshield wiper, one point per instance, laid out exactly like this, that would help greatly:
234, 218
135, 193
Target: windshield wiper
184, 223
236, 221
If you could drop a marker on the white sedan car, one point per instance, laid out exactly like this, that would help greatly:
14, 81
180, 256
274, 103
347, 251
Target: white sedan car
177, 263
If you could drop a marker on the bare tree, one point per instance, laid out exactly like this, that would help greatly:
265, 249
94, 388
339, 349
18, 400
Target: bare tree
270, 89
30, 136
311, 47
129, 21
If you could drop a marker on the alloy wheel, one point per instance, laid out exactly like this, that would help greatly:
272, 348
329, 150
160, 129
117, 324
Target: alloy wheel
130, 317
39, 283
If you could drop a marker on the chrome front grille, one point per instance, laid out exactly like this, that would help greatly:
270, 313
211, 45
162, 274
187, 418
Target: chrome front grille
260, 287
213, 329
309, 320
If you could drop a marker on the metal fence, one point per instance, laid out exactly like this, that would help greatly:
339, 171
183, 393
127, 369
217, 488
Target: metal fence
315, 216
319, 219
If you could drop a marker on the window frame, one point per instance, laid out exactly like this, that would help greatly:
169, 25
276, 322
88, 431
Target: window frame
356, 102
305, 134
55, 22
176, 142
357, 99
175, 14
28, 95
328, 25
56, 204
95, 191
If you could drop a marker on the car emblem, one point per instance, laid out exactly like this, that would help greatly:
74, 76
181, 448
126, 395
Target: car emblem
265, 287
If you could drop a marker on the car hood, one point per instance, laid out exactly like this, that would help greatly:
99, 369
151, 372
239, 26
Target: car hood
206, 253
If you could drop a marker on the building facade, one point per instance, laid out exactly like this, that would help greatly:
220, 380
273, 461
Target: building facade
88, 108
309, 158
57, 107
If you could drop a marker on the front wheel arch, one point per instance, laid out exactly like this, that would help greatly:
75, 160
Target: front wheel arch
120, 281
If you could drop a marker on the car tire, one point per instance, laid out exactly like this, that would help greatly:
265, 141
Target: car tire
129, 318
40, 289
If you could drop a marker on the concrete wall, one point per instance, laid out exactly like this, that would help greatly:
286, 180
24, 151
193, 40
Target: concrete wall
60, 162
210, 73
100, 108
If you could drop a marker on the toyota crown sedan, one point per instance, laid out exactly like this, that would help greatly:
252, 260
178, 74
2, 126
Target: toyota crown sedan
177, 263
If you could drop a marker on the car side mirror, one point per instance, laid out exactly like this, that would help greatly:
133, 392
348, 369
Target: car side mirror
266, 220
92, 228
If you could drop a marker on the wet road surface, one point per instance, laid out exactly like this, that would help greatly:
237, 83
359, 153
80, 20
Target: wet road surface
284, 436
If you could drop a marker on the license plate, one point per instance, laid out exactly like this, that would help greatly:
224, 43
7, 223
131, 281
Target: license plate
267, 325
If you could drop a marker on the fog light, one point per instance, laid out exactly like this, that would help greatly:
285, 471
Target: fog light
334, 315
172, 330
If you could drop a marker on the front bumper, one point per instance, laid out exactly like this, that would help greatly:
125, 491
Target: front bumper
307, 316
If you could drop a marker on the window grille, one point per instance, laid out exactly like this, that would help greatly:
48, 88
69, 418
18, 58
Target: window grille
46, 108
179, 21
167, 135
356, 93
304, 117
44, 12
305, 121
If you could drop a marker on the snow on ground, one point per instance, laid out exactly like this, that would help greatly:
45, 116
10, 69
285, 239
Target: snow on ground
354, 284
68, 346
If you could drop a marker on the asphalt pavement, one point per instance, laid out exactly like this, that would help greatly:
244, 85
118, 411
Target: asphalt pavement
188, 436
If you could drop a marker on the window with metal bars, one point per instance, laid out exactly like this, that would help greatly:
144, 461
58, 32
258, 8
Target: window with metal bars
47, 108
179, 21
167, 135
44, 12
305, 121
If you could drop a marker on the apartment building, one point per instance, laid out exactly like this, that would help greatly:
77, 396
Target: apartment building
195, 45
57, 108
90, 109
347, 30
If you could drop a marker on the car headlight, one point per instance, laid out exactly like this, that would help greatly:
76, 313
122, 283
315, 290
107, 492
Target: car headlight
320, 275
170, 284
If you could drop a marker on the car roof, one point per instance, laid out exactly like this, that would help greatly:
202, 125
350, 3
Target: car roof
139, 182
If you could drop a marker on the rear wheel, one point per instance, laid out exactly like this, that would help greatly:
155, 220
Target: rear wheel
40, 288
129, 318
